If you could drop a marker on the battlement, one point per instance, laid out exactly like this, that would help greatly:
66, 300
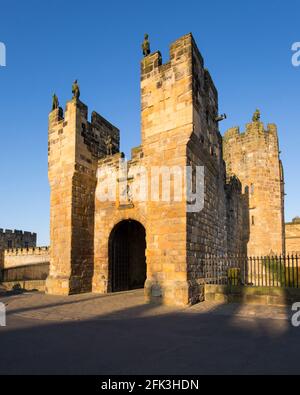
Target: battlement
16, 239
27, 251
180, 50
24, 257
253, 129
9, 232
72, 127
181, 86
153, 62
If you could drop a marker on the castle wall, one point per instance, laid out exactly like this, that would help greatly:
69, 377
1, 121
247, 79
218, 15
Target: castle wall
253, 157
292, 237
22, 257
237, 218
206, 229
217, 228
24, 265
17, 239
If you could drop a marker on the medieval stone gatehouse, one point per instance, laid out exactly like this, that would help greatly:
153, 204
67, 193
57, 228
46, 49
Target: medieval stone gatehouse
110, 245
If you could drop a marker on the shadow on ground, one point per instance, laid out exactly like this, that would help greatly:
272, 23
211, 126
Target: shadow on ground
148, 339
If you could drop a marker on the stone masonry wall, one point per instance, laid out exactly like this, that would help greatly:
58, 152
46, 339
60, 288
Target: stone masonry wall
209, 230
237, 215
167, 123
23, 257
292, 236
179, 105
253, 157
22, 263
75, 145
17, 239
166, 126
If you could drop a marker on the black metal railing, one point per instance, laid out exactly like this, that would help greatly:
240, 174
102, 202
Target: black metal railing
269, 271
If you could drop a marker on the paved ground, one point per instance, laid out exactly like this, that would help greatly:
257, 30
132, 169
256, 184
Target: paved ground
120, 334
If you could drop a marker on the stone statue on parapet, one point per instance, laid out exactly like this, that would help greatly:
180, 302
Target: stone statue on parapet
146, 46
55, 102
75, 90
256, 116
109, 146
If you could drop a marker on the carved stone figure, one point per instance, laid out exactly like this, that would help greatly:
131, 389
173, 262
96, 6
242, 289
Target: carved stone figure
146, 46
256, 116
55, 102
75, 90
109, 146
127, 194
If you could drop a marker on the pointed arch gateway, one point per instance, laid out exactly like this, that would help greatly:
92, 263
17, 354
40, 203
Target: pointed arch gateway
127, 256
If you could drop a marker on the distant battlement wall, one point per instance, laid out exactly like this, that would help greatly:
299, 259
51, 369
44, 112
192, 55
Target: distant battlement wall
16, 239
25, 256
292, 236
24, 265
16, 232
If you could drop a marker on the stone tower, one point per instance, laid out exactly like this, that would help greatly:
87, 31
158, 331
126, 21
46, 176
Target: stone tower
75, 145
254, 157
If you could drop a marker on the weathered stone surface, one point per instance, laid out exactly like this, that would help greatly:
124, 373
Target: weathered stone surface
10, 239
254, 157
292, 237
179, 107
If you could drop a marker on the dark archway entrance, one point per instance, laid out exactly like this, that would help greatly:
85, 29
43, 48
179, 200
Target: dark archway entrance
127, 259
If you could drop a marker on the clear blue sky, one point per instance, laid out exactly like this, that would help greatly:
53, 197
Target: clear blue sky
246, 46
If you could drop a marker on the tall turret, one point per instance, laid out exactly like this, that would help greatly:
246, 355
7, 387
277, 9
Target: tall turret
75, 145
254, 157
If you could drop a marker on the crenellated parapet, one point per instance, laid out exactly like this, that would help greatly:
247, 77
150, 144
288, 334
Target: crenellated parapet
252, 130
9, 232
25, 257
74, 127
27, 251
17, 239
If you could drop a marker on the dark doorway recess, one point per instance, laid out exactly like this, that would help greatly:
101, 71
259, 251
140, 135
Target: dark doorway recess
127, 259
